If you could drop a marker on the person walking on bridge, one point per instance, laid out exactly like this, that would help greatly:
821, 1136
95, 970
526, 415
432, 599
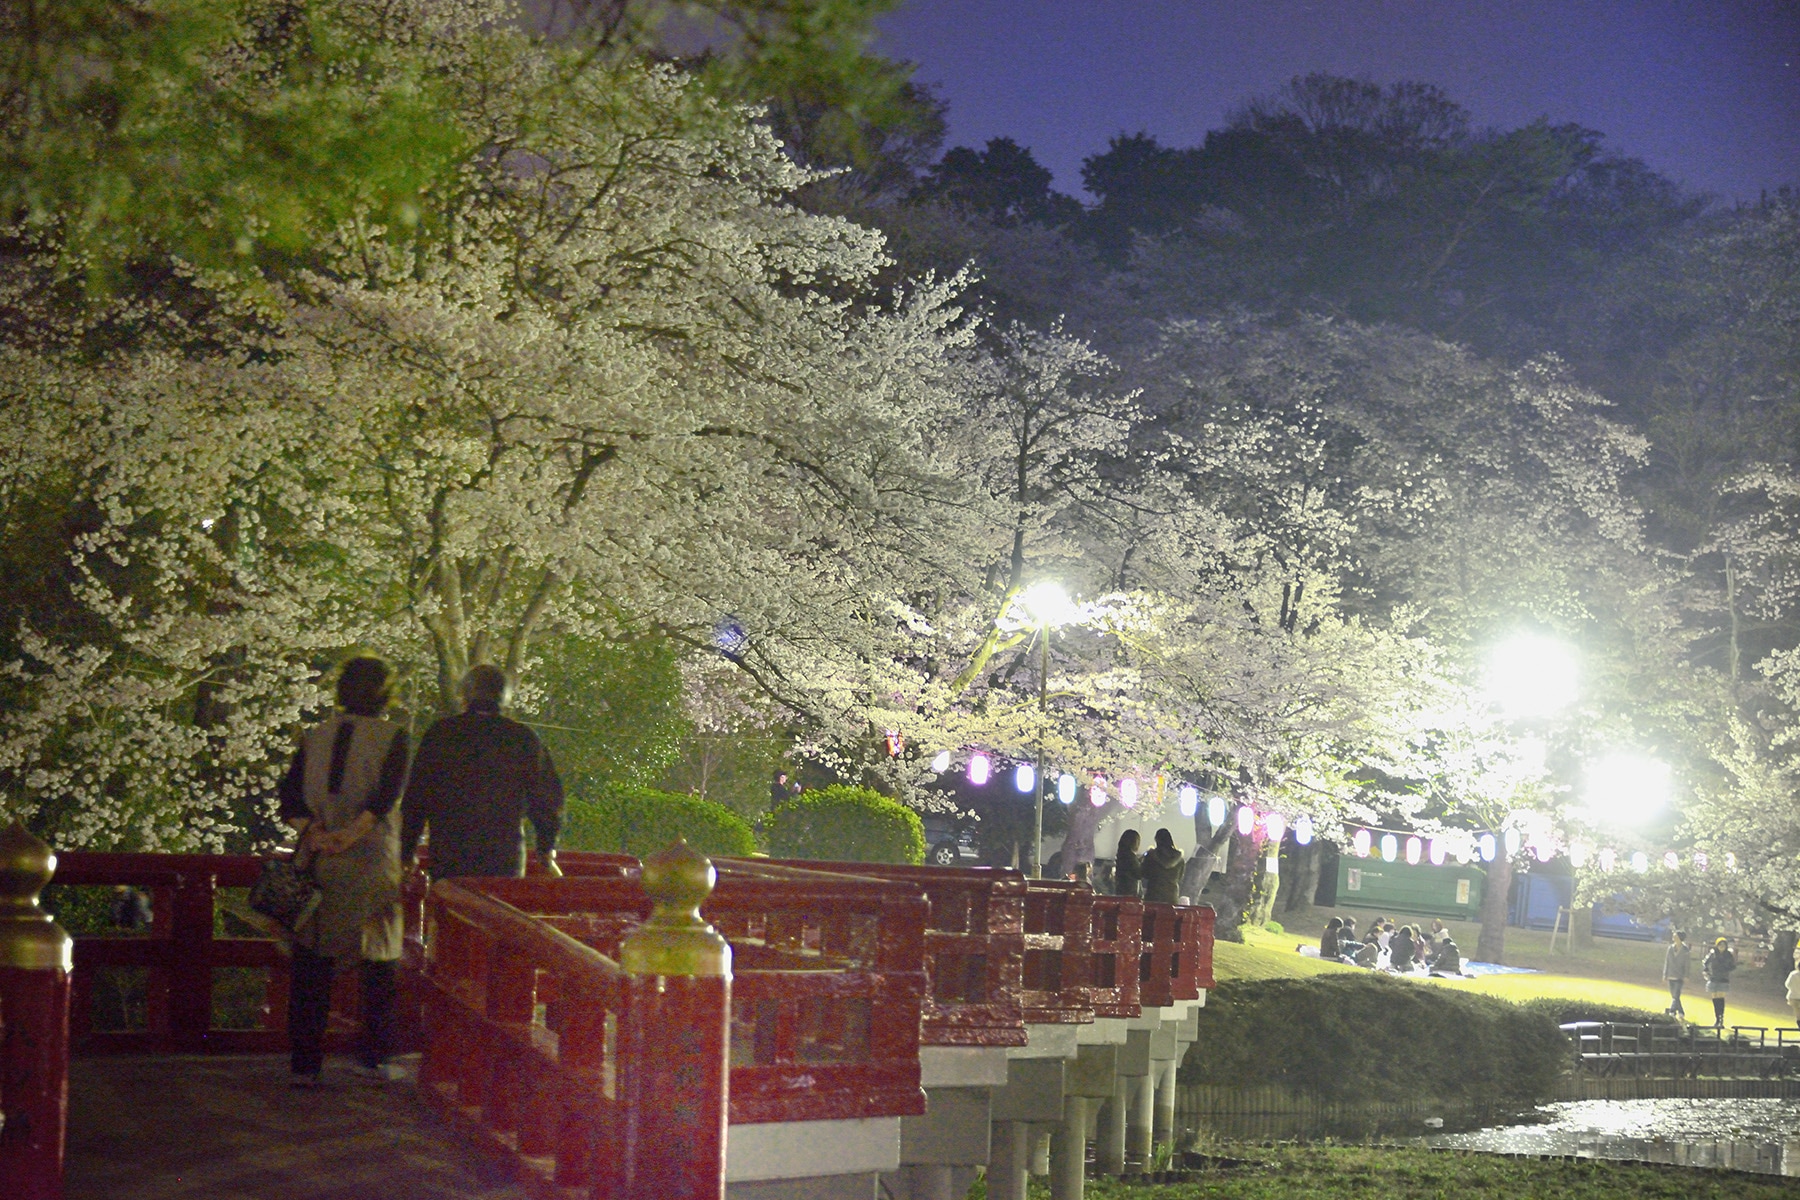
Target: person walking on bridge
1162, 870
339, 793
477, 778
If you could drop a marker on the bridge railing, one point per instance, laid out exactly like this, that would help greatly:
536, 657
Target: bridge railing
1176, 963
596, 1080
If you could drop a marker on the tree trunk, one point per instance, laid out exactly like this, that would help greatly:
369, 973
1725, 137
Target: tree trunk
1267, 884
1491, 946
1231, 900
1302, 882
1209, 844
1078, 842
1781, 954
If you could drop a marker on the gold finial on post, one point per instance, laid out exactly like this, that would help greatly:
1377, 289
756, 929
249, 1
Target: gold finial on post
676, 940
29, 939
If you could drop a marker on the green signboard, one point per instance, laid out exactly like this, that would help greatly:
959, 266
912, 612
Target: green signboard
1402, 890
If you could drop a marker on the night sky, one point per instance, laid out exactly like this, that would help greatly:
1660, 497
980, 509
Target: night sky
1705, 91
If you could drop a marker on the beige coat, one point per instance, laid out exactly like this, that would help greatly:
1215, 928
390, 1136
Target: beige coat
358, 917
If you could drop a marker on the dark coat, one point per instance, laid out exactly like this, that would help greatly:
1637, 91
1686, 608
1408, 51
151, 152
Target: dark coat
1127, 874
476, 777
1162, 874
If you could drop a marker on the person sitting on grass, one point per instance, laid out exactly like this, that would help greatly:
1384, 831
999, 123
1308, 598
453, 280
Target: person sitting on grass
1448, 960
1369, 954
1402, 950
1348, 944
1328, 941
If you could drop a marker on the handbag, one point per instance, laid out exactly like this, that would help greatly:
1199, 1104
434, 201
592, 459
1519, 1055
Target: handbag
285, 892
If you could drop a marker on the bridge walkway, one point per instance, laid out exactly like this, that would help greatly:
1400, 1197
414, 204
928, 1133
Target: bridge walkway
209, 1127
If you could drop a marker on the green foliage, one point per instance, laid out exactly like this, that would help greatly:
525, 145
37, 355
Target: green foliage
1355, 1036
1273, 927
640, 821
1563, 1010
846, 824
612, 711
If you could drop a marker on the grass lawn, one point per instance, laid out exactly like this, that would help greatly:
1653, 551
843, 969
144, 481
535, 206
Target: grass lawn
1394, 1173
1613, 971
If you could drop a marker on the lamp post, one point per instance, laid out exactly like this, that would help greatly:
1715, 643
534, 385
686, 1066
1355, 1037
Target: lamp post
1047, 606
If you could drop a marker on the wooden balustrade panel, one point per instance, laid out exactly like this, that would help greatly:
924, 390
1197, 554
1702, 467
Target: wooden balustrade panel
974, 949
1058, 976
829, 984
1115, 943
1176, 962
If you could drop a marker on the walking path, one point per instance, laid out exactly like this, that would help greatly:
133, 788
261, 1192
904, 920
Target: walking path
230, 1128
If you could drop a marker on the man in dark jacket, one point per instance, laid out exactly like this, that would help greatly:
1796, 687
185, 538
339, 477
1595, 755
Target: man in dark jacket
475, 779
1162, 870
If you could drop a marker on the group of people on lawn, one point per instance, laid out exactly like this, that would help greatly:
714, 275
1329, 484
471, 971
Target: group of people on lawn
1402, 950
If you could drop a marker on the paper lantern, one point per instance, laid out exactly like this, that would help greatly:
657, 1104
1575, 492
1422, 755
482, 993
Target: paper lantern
1435, 852
1608, 859
1024, 777
1730, 861
1246, 819
979, 769
1276, 824
1128, 792
1065, 788
1640, 862
1488, 847
1670, 861
1360, 843
1512, 843
1189, 798
1097, 793
1390, 847
940, 762
895, 743
1414, 850
1303, 830
1578, 855
1543, 851
1215, 810
1701, 862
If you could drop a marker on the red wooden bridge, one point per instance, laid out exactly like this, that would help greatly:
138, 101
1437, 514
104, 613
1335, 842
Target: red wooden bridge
872, 1030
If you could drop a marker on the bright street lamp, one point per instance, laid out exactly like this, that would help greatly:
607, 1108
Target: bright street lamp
1531, 676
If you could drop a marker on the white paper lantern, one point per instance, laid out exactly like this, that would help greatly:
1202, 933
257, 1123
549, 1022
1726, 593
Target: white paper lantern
979, 769
1189, 799
1246, 819
1097, 793
1276, 824
940, 762
1488, 847
1414, 850
1065, 788
1128, 792
1303, 830
1390, 847
1215, 810
1360, 843
1024, 777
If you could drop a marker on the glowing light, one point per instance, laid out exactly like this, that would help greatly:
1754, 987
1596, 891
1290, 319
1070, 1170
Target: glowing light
1215, 810
1625, 788
1303, 830
1065, 788
1024, 777
1276, 824
1128, 792
1414, 850
1390, 847
940, 762
1670, 861
1360, 843
1701, 862
1046, 603
1640, 862
979, 769
1531, 676
1608, 860
1464, 852
1578, 855
1512, 843
895, 743
1543, 851
1730, 861
1246, 819
1097, 793
1488, 847
1189, 799
1436, 853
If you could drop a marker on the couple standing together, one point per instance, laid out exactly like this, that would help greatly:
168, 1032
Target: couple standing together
475, 779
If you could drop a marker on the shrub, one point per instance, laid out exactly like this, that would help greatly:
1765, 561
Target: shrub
1273, 927
1563, 1011
1350, 1037
846, 824
640, 821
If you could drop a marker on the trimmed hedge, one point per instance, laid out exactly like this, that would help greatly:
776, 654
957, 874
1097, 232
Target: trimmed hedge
1357, 1037
846, 824
1566, 1011
640, 821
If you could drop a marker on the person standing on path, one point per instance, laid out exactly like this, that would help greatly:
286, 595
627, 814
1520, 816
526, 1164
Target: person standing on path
1716, 968
1675, 969
477, 777
339, 794
1793, 993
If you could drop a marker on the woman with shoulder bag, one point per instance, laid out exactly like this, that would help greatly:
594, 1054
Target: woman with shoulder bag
341, 795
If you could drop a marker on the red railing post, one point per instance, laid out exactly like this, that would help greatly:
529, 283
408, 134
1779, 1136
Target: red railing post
673, 1038
36, 957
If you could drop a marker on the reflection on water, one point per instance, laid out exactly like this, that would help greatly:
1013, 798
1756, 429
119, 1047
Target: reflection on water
1739, 1135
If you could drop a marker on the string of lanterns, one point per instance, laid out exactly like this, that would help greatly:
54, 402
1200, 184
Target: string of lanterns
1390, 845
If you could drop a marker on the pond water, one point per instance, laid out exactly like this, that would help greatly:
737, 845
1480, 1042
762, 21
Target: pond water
1740, 1135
